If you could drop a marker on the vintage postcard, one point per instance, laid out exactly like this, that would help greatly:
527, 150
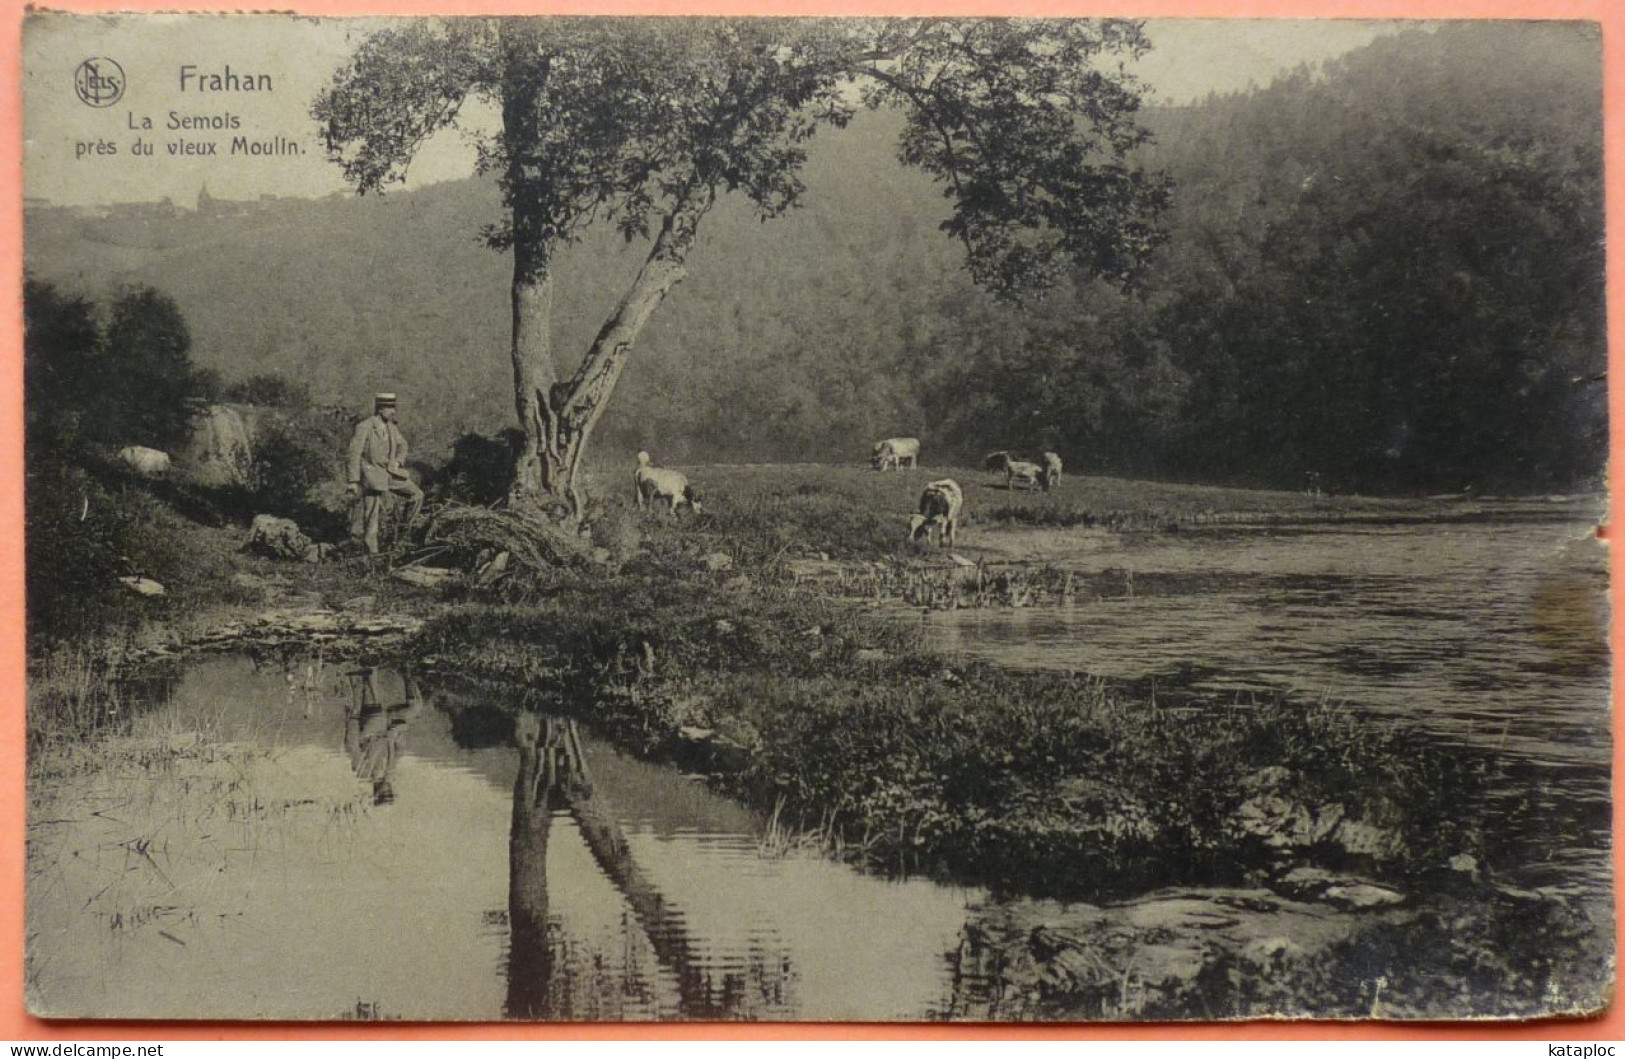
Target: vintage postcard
881, 520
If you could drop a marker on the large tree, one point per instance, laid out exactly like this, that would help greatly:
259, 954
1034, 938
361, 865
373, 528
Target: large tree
150, 380
130, 383
646, 122
61, 364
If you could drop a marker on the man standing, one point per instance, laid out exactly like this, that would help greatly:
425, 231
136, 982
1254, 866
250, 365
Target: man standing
378, 468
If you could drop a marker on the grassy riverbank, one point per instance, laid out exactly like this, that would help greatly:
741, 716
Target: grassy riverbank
1045, 783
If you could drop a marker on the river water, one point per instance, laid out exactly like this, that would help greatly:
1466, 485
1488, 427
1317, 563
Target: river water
416, 865
402, 846
1487, 631
1484, 633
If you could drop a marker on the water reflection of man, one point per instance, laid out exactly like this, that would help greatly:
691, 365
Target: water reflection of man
372, 731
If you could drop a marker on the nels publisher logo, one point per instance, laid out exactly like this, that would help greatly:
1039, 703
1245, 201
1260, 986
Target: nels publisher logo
99, 82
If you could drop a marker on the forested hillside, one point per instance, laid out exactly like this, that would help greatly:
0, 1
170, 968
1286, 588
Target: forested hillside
1388, 273
1415, 294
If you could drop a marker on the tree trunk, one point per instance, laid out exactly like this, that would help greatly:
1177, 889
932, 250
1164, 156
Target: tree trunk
539, 473
559, 420
581, 402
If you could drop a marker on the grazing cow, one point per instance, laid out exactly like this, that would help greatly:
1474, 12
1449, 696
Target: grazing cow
1049, 470
1019, 471
893, 451
940, 507
658, 483
995, 461
145, 461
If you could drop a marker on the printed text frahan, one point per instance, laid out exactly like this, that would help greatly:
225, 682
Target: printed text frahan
224, 80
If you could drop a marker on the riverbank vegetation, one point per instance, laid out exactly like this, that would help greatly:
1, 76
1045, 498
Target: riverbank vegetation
148, 852
103, 378
1041, 782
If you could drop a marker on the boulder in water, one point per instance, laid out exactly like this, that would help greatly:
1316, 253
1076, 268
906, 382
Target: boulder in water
1349, 892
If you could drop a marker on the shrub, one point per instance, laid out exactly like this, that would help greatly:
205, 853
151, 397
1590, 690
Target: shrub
61, 348
88, 520
88, 527
481, 468
287, 462
75, 544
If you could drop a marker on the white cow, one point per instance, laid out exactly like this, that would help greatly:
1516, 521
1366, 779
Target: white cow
893, 451
940, 507
1050, 473
144, 461
1019, 471
658, 483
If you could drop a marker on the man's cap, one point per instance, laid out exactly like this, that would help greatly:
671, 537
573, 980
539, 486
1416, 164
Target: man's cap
383, 400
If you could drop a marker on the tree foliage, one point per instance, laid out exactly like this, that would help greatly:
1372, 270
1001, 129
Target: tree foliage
1028, 137
61, 357
128, 383
144, 394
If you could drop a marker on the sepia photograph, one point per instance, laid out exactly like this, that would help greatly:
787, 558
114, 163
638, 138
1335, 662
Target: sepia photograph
879, 520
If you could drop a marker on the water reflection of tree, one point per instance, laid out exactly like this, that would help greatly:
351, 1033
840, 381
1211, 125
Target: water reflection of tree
553, 775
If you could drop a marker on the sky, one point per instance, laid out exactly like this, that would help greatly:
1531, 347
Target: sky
78, 154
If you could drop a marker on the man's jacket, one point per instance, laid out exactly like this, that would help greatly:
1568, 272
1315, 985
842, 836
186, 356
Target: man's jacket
377, 454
